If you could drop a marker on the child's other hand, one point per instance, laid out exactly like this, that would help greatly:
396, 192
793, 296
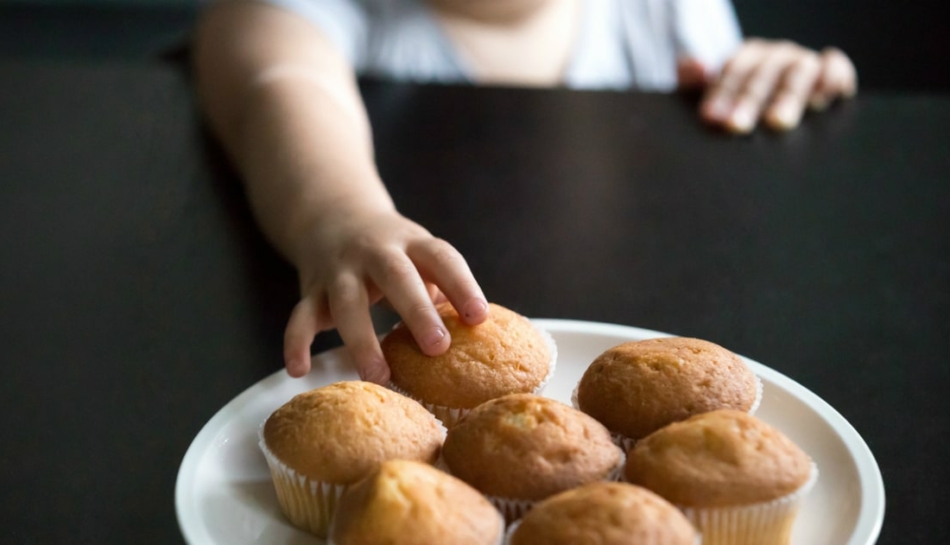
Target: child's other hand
774, 81
352, 261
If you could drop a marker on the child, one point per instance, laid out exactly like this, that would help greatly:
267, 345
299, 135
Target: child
277, 79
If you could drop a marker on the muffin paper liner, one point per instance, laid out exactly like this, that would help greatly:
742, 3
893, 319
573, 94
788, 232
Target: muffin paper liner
449, 416
307, 503
767, 522
510, 531
510, 508
552, 348
502, 536
616, 474
627, 443
759, 389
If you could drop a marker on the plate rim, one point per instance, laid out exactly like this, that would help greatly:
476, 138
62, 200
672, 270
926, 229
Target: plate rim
870, 518
192, 530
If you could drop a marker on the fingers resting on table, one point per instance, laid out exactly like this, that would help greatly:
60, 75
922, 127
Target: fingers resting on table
357, 265
774, 82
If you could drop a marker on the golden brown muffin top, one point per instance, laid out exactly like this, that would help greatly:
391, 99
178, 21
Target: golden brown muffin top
638, 387
341, 432
720, 458
528, 447
408, 503
504, 354
606, 513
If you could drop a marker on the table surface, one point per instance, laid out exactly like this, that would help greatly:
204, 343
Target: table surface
137, 297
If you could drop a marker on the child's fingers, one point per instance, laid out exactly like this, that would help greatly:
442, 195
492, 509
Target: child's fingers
397, 277
303, 326
759, 88
837, 78
720, 100
788, 104
349, 304
773, 81
435, 295
441, 263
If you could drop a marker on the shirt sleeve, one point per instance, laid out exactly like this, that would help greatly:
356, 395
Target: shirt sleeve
344, 22
706, 30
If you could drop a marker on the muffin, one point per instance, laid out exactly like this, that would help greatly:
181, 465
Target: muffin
522, 448
739, 480
605, 513
505, 354
410, 503
323, 440
638, 387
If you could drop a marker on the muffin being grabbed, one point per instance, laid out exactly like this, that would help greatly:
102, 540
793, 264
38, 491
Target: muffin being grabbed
505, 354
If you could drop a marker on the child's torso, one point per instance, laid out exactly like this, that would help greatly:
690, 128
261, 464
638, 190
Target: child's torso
582, 44
533, 50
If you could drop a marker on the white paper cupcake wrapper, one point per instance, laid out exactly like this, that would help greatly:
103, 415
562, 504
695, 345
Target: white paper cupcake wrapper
622, 441
449, 416
616, 474
552, 348
307, 503
768, 522
511, 509
502, 535
510, 531
759, 390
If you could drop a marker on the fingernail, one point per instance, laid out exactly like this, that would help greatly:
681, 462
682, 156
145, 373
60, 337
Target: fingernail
785, 115
434, 337
474, 308
295, 368
743, 118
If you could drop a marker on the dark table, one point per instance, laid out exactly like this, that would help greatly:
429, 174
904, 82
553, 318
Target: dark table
137, 297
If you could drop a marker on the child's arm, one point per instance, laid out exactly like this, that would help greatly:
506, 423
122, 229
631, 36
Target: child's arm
773, 81
285, 104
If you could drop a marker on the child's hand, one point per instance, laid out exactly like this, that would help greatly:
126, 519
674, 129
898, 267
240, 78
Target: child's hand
352, 261
774, 81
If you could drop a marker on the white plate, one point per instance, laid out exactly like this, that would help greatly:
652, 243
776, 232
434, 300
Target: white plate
224, 495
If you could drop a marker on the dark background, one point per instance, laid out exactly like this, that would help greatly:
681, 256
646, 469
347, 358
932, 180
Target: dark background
895, 45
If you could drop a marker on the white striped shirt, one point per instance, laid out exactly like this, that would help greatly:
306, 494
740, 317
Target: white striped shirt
621, 44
